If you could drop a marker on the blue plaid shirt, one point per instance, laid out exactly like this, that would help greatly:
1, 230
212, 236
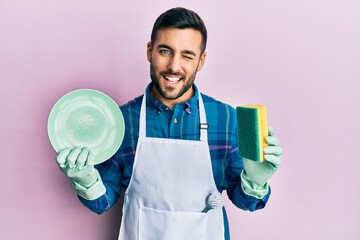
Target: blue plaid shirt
182, 122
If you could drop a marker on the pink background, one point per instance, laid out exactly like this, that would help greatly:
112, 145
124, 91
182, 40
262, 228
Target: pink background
301, 58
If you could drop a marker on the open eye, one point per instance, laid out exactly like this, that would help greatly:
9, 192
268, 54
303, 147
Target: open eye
165, 51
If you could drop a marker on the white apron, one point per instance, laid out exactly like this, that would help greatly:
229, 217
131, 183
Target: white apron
167, 192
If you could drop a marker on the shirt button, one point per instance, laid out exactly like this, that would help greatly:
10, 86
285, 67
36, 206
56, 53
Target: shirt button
166, 109
175, 120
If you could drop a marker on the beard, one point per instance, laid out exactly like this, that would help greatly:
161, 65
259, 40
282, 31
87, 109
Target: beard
169, 92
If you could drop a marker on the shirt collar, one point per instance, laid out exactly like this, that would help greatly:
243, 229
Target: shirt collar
158, 107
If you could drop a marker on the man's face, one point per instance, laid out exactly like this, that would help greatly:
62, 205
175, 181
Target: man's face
174, 58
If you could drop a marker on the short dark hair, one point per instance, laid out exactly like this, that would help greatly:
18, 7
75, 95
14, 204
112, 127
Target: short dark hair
181, 18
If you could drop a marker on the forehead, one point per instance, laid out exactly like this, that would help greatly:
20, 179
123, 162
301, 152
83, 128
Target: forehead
179, 39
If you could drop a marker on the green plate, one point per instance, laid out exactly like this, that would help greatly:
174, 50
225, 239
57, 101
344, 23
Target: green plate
87, 118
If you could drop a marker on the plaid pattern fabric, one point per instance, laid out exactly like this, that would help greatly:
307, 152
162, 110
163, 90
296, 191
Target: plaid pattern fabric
182, 122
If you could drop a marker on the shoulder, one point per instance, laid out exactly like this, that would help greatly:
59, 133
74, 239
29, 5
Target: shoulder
221, 118
132, 104
131, 112
220, 115
215, 106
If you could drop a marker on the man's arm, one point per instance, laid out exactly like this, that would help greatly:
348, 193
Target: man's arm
96, 188
111, 177
235, 189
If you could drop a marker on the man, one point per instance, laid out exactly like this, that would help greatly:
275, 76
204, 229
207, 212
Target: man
179, 151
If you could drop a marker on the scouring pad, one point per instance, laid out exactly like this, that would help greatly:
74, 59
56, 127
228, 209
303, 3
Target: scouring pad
252, 131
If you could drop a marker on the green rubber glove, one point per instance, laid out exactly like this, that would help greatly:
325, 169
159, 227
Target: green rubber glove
256, 175
78, 165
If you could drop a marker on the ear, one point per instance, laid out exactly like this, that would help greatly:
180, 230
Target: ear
201, 61
149, 51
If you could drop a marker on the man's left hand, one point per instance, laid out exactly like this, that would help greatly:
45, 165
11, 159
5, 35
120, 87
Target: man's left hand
259, 173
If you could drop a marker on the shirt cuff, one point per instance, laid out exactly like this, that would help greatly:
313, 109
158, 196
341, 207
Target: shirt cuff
93, 192
252, 189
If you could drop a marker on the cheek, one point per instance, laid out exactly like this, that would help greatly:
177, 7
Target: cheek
190, 67
159, 63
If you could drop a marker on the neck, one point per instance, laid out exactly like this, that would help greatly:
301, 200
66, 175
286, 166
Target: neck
172, 102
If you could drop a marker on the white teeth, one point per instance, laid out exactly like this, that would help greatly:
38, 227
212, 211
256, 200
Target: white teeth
172, 78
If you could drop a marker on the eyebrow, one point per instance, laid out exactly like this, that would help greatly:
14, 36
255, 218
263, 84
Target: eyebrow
185, 51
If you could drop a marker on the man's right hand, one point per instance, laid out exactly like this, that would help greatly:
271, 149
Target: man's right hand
78, 165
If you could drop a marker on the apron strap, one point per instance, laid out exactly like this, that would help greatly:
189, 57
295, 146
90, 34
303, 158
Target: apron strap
203, 124
142, 121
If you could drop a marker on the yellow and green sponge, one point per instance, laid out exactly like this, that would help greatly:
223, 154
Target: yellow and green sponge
252, 131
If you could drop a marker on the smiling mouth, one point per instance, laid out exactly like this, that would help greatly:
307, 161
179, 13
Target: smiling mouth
172, 78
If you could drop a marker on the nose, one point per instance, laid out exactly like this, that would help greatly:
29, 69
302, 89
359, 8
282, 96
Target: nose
174, 64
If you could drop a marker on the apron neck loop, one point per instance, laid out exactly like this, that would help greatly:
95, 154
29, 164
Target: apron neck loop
203, 123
